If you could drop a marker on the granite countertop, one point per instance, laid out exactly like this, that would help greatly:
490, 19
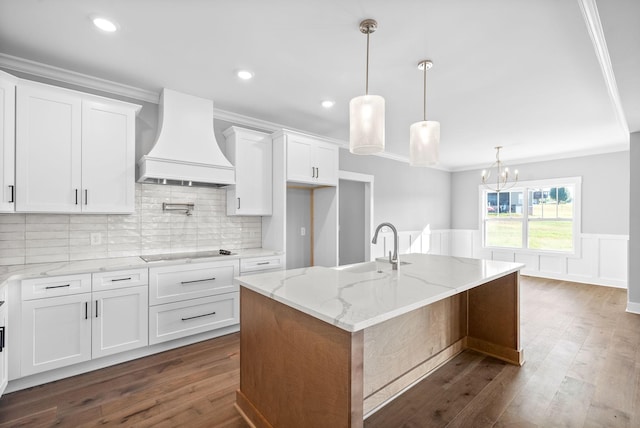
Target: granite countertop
19, 272
358, 296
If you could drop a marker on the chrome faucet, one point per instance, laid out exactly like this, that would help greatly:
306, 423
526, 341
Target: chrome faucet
393, 260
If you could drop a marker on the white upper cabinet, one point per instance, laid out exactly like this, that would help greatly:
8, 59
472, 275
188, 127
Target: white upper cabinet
108, 157
7, 141
74, 152
310, 160
251, 154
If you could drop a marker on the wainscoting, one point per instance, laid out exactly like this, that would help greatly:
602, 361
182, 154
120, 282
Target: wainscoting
602, 259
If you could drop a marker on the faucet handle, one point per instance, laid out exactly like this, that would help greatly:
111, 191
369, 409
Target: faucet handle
390, 258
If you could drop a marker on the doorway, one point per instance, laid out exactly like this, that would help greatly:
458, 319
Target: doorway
355, 209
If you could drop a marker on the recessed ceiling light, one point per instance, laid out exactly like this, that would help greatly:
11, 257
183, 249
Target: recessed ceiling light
244, 74
104, 24
328, 103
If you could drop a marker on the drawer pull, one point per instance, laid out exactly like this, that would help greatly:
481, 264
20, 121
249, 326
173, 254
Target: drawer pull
197, 280
198, 316
121, 279
49, 287
262, 263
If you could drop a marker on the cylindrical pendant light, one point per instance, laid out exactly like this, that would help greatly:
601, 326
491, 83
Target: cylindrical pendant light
424, 136
366, 112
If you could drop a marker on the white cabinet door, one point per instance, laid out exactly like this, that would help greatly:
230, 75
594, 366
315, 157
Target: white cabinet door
108, 158
311, 161
326, 161
48, 150
56, 332
7, 141
251, 154
299, 162
119, 320
4, 353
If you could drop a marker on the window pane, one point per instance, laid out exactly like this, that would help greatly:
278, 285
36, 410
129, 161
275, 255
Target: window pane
551, 235
491, 204
503, 233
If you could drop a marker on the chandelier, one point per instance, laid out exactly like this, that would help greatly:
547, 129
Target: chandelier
501, 174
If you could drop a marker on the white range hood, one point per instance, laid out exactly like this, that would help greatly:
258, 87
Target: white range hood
185, 151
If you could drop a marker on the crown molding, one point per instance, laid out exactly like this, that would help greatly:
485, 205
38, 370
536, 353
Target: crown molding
46, 71
594, 27
67, 76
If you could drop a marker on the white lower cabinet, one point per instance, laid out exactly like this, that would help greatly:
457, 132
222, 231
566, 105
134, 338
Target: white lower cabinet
56, 332
192, 298
62, 326
4, 353
175, 320
120, 321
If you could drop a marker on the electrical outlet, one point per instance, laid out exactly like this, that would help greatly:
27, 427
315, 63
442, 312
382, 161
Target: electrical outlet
96, 238
303, 231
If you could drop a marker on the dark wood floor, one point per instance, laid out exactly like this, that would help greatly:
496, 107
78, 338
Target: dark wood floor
582, 369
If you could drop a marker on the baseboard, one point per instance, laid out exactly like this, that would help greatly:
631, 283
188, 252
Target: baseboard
633, 307
615, 283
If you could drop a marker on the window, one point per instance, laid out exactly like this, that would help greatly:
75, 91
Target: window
535, 215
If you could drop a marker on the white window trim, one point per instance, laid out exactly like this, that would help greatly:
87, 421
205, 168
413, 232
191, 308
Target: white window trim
551, 182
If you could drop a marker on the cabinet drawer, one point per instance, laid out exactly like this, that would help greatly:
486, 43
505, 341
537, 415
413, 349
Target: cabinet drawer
175, 320
181, 282
257, 264
120, 279
54, 286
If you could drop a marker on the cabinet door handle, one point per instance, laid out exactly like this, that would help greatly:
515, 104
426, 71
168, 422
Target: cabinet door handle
198, 316
2, 338
197, 280
12, 187
262, 263
313, 172
76, 196
121, 279
49, 287
317, 172
86, 196
238, 203
96, 309
86, 310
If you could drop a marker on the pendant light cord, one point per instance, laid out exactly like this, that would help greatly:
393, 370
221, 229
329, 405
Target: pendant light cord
425, 93
366, 88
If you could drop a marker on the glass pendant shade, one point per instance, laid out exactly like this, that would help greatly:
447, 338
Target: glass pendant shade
424, 139
366, 125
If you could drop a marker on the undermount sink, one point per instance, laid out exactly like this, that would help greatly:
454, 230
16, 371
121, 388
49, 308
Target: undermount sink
380, 265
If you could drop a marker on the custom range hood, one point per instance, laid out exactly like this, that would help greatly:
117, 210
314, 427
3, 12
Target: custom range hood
185, 151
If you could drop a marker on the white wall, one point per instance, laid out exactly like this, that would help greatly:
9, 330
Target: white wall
410, 198
605, 191
634, 225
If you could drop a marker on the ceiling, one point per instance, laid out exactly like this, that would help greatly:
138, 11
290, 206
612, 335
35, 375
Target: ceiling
522, 74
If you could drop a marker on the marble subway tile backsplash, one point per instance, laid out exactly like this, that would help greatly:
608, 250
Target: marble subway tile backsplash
41, 238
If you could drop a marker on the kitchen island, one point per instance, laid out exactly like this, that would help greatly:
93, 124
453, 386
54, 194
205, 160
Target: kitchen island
329, 346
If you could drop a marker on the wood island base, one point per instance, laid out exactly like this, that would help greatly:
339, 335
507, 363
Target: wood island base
296, 370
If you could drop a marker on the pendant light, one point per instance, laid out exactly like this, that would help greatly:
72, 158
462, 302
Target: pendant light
424, 136
366, 112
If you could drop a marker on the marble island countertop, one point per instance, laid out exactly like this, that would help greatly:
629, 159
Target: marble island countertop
358, 296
